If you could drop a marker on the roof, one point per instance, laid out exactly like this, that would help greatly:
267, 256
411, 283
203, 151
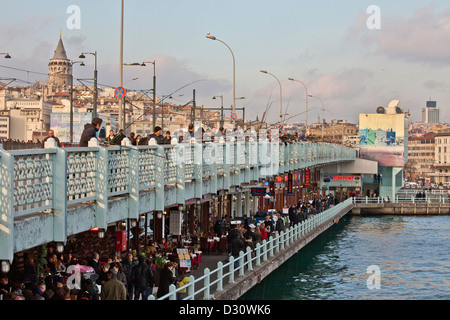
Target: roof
60, 52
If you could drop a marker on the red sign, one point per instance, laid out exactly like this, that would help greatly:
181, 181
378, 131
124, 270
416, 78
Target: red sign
344, 178
119, 92
121, 240
259, 191
289, 180
307, 178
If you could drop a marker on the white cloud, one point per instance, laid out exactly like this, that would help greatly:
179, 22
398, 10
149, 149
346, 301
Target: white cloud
420, 37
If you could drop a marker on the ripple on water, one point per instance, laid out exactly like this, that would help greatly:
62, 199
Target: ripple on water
411, 252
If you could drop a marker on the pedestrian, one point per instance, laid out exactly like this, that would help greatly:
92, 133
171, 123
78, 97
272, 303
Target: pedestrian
51, 134
113, 289
94, 262
166, 278
88, 290
262, 229
182, 292
157, 135
279, 226
110, 137
103, 274
236, 246
142, 277
127, 265
268, 225
250, 236
167, 138
90, 131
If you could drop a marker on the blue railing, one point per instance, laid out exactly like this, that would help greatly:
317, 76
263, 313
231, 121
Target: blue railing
53, 179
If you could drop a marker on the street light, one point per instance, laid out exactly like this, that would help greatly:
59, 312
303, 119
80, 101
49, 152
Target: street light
143, 64
7, 56
221, 109
123, 101
121, 108
234, 70
82, 56
323, 108
281, 95
306, 88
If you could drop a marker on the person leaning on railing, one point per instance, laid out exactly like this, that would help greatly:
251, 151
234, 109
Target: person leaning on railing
51, 134
90, 131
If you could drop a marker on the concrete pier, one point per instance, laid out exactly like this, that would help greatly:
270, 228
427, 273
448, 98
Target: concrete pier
401, 209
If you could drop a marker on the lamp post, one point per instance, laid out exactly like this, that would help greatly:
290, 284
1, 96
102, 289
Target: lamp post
143, 64
154, 90
323, 108
306, 88
281, 95
234, 70
221, 109
123, 99
82, 56
121, 108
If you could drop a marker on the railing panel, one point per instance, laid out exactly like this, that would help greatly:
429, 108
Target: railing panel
33, 181
81, 174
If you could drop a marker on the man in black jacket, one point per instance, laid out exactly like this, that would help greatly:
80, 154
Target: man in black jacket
90, 131
142, 276
127, 266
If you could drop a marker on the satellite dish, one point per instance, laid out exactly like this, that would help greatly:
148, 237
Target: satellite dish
393, 104
381, 110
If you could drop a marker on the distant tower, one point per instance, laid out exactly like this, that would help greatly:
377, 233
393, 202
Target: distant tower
59, 69
430, 114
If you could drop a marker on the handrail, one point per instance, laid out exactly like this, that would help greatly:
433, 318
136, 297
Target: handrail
264, 252
53, 180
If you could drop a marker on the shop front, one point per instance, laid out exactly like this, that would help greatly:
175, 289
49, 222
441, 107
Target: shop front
342, 186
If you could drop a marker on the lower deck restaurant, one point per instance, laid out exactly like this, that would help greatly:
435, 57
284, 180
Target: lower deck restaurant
200, 226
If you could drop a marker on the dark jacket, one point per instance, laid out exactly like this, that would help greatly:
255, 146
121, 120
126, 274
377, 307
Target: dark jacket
236, 246
166, 278
280, 225
142, 275
127, 267
89, 132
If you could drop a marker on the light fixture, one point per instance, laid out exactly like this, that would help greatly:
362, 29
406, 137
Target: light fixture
59, 247
101, 233
159, 215
133, 223
198, 202
5, 266
180, 208
124, 223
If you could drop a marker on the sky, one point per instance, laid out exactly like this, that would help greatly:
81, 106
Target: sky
326, 44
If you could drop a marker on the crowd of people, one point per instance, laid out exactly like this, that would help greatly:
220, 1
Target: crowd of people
131, 277
253, 230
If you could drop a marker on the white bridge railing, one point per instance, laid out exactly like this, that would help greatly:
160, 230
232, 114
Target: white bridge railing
226, 273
